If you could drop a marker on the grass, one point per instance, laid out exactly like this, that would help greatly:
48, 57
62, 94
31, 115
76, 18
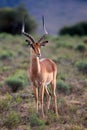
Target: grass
12, 119
17, 110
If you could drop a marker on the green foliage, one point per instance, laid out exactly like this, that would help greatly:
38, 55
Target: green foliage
12, 119
11, 20
6, 54
51, 118
82, 66
79, 29
35, 121
81, 48
65, 45
62, 76
4, 105
17, 81
63, 87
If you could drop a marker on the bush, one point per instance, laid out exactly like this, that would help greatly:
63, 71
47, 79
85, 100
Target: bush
35, 121
4, 105
81, 47
63, 87
79, 29
82, 66
12, 119
17, 81
5, 55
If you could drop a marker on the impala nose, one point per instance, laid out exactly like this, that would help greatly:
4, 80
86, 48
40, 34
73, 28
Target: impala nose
39, 55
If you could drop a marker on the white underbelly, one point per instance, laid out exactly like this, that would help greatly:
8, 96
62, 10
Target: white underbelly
47, 83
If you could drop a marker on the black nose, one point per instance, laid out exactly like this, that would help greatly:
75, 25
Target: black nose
38, 55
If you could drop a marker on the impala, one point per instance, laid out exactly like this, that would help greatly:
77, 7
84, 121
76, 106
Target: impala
41, 71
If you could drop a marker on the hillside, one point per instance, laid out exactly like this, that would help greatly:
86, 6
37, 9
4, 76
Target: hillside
17, 106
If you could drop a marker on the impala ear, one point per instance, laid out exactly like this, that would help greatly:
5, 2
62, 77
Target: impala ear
28, 42
43, 43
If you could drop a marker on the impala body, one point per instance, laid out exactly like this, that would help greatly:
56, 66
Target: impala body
41, 72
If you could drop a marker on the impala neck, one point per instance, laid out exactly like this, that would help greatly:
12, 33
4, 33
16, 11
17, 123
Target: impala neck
34, 61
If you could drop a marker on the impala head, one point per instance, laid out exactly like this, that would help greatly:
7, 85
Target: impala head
36, 45
32, 43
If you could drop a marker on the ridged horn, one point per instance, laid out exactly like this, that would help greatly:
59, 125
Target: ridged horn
26, 34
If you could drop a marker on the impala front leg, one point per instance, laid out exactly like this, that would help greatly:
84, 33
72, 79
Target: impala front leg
41, 99
36, 97
48, 98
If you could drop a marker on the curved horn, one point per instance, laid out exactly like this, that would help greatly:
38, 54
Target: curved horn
45, 31
44, 27
26, 34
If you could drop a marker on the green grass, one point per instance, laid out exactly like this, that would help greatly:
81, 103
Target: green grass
12, 119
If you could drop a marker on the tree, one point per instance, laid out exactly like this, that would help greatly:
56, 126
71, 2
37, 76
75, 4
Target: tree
11, 20
79, 29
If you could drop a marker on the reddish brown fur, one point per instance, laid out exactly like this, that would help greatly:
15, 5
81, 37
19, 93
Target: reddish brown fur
42, 72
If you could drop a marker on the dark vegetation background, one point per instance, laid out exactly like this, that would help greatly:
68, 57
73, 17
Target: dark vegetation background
11, 20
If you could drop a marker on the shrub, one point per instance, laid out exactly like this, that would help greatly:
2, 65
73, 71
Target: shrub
35, 121
62, 76
6, 55
12, 119
4, 105
79, 29
51, 118
82, 66
63, 87
17, 81
81, 48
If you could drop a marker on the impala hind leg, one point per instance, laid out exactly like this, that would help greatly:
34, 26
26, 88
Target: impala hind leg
36, 97
53, 86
